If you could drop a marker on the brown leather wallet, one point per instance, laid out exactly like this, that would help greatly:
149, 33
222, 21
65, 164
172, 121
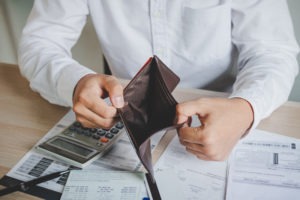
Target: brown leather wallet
150, 107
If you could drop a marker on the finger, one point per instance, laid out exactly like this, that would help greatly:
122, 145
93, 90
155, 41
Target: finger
195, 146
187, 109
115, 91
203, 157
191, 134
101, 108
97, 106
90, 118
90, 99
199, 155
182, 118
86, 123
197, 149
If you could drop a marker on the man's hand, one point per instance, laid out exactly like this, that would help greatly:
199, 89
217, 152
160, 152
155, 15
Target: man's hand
223, 123
90, 109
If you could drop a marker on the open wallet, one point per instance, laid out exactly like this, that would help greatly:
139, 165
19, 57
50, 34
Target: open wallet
149, 108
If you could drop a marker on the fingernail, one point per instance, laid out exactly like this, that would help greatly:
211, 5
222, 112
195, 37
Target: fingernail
118, 101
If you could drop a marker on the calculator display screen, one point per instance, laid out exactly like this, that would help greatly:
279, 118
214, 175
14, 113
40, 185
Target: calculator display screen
71, 147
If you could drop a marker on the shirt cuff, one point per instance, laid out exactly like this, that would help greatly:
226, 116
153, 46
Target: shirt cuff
253, 101
68, 81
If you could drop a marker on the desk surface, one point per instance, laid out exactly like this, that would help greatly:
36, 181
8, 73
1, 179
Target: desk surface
25, 117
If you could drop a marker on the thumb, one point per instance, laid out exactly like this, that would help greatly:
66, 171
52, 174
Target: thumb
115, 91
117, 101
187, 109
184, 111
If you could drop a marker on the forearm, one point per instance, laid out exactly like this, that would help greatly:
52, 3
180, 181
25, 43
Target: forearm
265, 80
50, 72
267, 64
45, 49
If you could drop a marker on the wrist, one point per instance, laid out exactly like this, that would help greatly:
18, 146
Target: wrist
78, 83
246, 108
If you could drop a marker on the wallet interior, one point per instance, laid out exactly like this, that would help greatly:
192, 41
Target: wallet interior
150, 107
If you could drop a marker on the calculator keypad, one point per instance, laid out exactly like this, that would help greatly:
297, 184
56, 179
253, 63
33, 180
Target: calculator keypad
94, 137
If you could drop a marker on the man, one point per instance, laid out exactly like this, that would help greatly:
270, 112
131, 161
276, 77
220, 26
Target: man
202, 41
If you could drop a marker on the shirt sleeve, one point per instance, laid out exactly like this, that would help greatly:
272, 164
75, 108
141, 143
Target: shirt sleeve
44, 53
267, 64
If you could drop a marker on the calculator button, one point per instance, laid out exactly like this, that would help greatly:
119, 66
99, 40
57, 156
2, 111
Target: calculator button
87, 133
80, 131
119, 125
77, 124
114, 130
101, 132
109, 135
99, 144
70, 133
104, 140
93, 130
95, 136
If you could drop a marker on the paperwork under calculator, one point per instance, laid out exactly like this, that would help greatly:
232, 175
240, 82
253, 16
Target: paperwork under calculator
33, 164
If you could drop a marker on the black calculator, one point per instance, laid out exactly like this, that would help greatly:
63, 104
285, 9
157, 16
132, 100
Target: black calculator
79, 146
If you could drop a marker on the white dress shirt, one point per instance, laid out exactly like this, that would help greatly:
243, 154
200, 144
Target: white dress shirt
202, 41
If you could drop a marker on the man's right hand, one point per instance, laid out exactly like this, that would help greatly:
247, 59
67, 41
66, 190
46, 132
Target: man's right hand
88, 104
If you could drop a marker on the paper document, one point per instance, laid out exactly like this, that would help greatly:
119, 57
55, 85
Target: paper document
169, 184
264, 166
34, 164
198, 179
193, 178
104, 185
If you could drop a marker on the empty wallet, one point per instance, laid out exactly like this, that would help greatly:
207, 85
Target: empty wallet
149, 107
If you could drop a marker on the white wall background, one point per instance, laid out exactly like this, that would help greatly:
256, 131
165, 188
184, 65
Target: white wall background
294, 6
13, 14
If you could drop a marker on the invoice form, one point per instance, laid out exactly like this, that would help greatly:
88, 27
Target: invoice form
264, 166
